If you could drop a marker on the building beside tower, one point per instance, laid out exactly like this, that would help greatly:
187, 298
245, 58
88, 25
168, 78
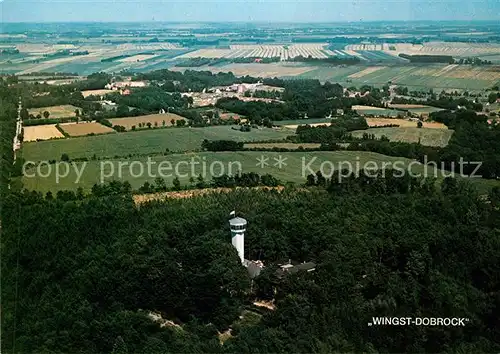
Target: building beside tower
238, 228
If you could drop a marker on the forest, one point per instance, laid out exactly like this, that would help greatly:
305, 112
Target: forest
421, 252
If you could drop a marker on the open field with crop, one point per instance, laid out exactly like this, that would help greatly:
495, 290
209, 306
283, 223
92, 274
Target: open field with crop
82, 129
368, 70
408, 106
377, 111
455, 49
290, 146
284, 52
426, 136
436, 76
230, 160
101, 57
424, 110
227, 162
62, 111
136, 58
257, 70
380, 56
160, 120
148, 141
403, 123
371, 108
41, 132
333, 73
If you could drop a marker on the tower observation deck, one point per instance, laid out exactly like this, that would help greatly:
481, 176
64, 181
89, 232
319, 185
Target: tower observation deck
238, 227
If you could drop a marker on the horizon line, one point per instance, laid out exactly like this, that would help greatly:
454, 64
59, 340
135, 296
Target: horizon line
248, 21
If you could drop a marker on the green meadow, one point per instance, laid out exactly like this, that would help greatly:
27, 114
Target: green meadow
142, 142
294, 167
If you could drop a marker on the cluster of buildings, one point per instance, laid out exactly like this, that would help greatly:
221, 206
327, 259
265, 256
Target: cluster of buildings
238, 228
243, 87
124, 86
212, 95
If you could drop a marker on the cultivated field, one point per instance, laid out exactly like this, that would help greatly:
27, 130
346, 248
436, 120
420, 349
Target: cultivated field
62, 111
284, 52
436, 76
139, 57
44, 57
416, 108
82, 129
41, 132
403, 123
426, 136
370, 47
143, 142
371, 108
257, 70
364, 72
456, 49
377, 111
161, 120
232, 161
408, 106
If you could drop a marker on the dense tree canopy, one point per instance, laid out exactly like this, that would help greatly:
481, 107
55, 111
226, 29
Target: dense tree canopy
86, 274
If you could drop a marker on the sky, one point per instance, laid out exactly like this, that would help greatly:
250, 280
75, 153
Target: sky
246, 10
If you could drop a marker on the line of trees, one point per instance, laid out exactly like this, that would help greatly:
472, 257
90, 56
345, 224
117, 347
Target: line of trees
428, 58
84, 279
8, 114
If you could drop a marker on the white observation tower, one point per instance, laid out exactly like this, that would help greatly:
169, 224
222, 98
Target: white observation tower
238, 227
